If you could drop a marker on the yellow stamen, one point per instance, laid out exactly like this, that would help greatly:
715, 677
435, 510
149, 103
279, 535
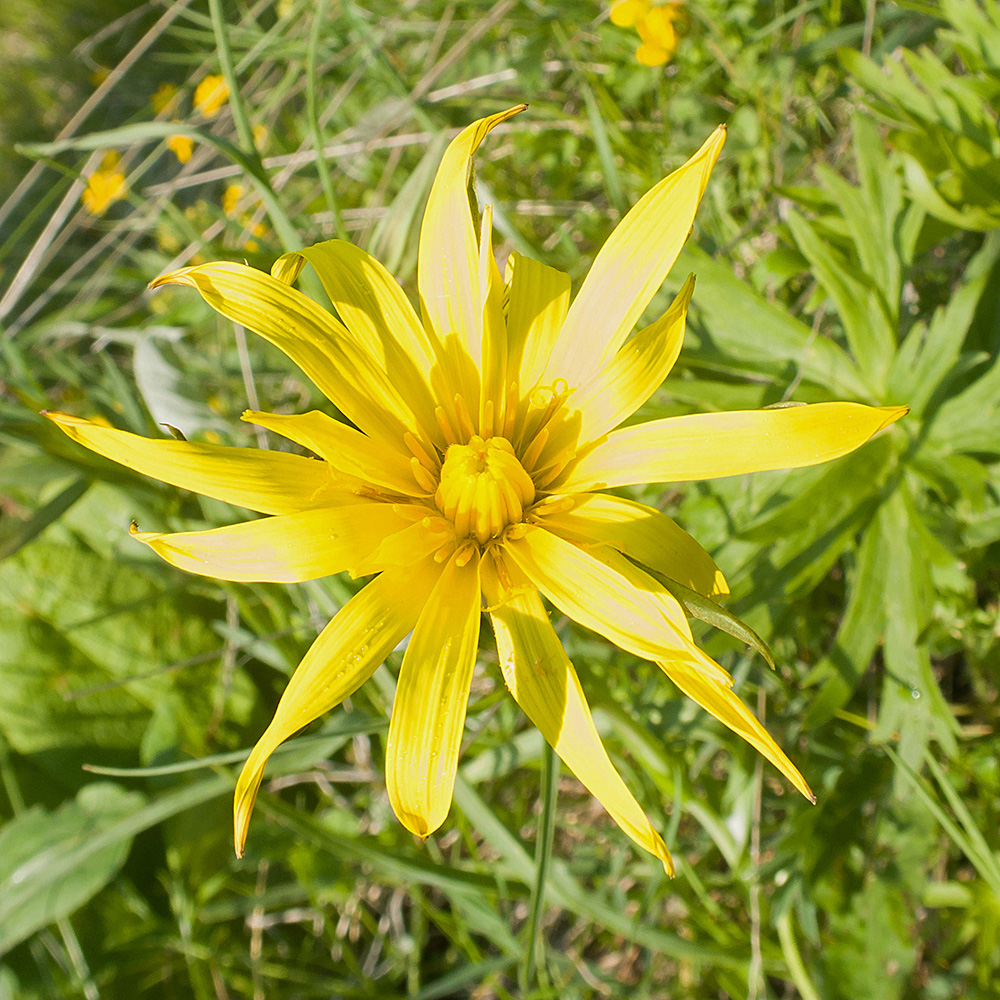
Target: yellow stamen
484, 488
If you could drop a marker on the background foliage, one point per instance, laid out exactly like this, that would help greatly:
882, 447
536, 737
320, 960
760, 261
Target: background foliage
847, 248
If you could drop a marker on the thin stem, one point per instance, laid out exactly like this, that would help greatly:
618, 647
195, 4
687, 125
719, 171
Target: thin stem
543, 857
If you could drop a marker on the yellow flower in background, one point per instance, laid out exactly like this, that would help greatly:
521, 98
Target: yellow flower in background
472, 476
105, 186
211, 95
181, 146
162, 98
656, 25
261, 135
231, 199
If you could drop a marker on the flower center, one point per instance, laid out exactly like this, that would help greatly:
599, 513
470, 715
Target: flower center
483, 487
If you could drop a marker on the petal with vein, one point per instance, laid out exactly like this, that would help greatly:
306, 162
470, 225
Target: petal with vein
341, 366
720, 701
428, 713
375, 309
630, 268
345, 449
545, 685
345, 654
539, 301
606, 593
639, 532
448, 254
287, 548
270, 482
708, 445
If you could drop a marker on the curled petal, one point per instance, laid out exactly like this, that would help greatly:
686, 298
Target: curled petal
345, 654
288, 548
428, 713
270, 482
630, 268
340, 365
720, 701
448, 254
642, 533
545, 685
609, 595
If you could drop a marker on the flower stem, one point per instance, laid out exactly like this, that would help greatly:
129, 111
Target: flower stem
543, 855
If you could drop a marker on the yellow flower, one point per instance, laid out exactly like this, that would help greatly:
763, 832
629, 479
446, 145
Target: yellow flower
160, 101
261, 135
655, 25
105, 186
627, 12
181, 146
210, 95
231, 199
471, 477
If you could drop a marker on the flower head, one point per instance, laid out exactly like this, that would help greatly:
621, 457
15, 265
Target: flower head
211, 95
181, 146
484, 434
105, 186
656, 25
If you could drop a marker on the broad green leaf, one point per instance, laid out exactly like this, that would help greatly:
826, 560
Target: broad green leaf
36, 844
912, 710
735, 323
841, 669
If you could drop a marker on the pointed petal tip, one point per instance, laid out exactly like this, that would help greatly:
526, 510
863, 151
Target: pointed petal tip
893, 413
660, 850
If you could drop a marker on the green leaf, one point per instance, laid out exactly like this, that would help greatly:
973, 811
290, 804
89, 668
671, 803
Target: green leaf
764, 338
696, 605
841, 670
43, 517
48, 864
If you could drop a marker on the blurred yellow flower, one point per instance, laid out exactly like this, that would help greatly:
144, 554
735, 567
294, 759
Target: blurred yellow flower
656, 26
469, 476
210, 95
231, 199
258, 229
105, 186
181, 146
160, 101
260, 136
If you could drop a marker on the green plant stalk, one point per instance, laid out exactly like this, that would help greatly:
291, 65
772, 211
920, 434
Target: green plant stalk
543, 857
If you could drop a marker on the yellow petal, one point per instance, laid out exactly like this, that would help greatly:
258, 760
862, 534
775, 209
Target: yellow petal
345, 449
270, 482
605, 593
539, 301
493, 397
340, 366
630, 268
708, 445
374, 308
428, 714
642, 533
288, 548
346, 653
649, 54
545, 685
448, 269
657, 29
625, 13
720, 701
634, 373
